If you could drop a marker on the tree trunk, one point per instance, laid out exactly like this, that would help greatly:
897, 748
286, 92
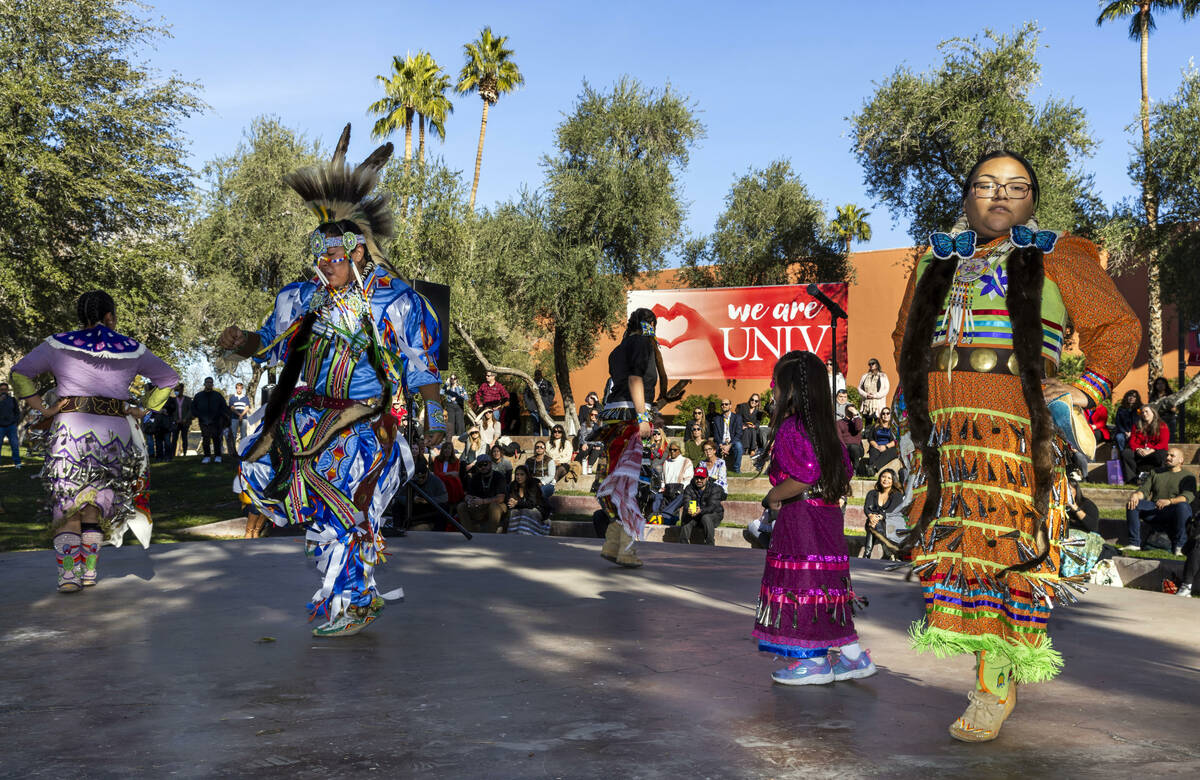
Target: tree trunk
256, 371
408, 122
490, 366
479, 155
562, 375
421, 138
1150, 204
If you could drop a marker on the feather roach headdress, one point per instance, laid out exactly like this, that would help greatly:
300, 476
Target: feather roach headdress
334, 192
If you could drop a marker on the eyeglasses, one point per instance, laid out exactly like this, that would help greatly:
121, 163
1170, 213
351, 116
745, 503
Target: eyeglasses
753, 400
1017, 190
724, 406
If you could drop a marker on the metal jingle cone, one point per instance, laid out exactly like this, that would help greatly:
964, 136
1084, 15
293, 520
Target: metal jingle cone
965, 430
975, 434
1012, 480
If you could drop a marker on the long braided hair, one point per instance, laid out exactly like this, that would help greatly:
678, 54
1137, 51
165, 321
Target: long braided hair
802, 391
643, 322
92, 306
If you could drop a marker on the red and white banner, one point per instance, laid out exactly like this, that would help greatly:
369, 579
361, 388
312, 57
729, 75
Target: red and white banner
739, 332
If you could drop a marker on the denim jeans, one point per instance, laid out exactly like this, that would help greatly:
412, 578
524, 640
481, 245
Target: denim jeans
733, 461
1174, 517
14, 441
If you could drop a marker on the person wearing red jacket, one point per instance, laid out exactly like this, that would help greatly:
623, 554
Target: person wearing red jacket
491, 395
1147, 448
1097, 418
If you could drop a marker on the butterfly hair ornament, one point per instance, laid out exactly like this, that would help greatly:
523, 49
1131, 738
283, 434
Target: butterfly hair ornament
1028, 235
648, 329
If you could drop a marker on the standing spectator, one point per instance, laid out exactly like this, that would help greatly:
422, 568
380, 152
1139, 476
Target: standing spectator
239, 413
1126, 418
491, 396
592, 402
701, 506
714, 466
836, 380
1163, 497
839, 404
542, 469
873, 387
693, 447
883, 443
727, 433
164, 428
850, 428
183, 421
700, 420
677, 473
1166, 412
510, 416
1147, 448
211, 411
589, 451
455, 396
528, 510
10, 416
546, 391
485, 500
753, 434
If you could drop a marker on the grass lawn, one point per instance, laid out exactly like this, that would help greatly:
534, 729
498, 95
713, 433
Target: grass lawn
183, 493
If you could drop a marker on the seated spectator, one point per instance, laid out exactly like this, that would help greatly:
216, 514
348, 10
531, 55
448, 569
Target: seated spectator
1082, 513
1147, 448
714, 466
693, 444
541, 469
489, 431
701, 421
883, 444
727, 433
1126, 418
701, 508
426, 514
850, 428
657, 450
1097, 418
754, 434
501, 464
1165, 498
473, 447
677, 472
563, 454
528, 510
448, 468
589, 451
1191, 567
884, 521
485, 503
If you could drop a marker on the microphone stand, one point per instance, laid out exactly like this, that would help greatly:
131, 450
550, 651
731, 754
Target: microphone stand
410, 432
835, 312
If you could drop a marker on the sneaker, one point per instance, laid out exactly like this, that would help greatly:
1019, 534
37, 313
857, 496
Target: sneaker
206, 460
217, 459
1184, 590
1177, 551
16, 465
1132, 547
860, 667
806, 671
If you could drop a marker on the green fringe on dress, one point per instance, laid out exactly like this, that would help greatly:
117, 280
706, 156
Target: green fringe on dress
1031, 664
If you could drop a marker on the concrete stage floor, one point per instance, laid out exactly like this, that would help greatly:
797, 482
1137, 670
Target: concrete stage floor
525, 658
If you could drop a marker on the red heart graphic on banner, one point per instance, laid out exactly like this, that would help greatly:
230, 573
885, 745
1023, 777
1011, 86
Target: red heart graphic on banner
690, 315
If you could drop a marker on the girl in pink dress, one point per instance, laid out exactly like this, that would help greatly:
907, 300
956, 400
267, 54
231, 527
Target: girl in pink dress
806, 603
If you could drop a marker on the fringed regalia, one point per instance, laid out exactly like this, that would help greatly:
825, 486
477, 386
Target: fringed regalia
327, 451
623, 474
806, 603
94, 453
976, 336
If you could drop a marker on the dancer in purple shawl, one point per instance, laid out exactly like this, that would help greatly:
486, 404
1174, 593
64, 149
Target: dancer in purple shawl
806, 603
95, 467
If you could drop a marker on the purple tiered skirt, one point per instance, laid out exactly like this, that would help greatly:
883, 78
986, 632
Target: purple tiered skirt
805, 603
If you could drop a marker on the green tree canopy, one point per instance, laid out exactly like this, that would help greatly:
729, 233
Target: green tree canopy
250, 237
770, 222
918, 135
92, 174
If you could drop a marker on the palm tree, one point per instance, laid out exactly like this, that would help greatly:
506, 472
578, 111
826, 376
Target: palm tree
432, 103
490, 71
1141, 22
396, 108
851, 225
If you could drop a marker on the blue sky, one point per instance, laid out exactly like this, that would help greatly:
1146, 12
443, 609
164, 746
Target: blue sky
770, 79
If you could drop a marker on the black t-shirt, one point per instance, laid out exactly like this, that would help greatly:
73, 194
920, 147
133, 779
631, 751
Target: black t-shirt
634, 356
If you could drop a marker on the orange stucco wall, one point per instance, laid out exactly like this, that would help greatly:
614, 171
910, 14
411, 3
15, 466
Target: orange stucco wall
875, 293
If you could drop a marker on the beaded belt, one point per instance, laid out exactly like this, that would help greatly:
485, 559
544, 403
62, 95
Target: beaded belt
983, 360
93, 404
307, 397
